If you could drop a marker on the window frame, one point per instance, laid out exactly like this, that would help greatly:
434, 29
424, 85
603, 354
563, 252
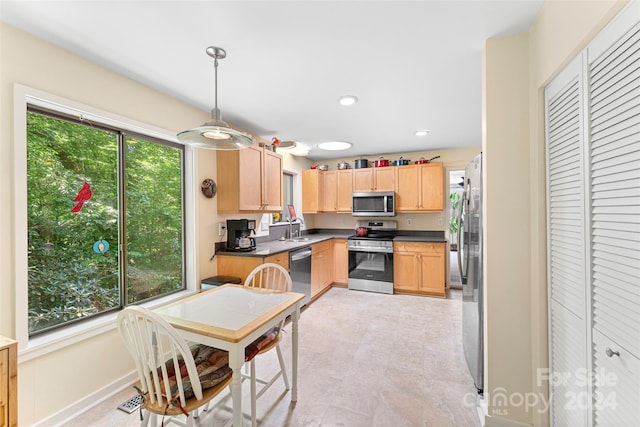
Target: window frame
25, 96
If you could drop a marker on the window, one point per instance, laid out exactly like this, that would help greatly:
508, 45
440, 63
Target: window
287, 195
105, 218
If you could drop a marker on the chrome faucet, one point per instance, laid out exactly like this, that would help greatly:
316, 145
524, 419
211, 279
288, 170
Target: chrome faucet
291, 221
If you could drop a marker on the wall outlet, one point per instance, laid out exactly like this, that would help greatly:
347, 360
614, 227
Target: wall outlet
440, 220
221, 228
409, 221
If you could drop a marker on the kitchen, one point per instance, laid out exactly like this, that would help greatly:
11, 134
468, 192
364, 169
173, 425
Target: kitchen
514, 141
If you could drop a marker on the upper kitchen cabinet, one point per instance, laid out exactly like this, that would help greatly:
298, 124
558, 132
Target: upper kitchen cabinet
374, 179
249, 180
344, 190
326, 191
311, 191
420, 188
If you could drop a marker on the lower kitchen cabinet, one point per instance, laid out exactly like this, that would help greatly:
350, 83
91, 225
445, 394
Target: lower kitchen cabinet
419, 268
281, 259
340, 261
321, 267
8, 383
237, 266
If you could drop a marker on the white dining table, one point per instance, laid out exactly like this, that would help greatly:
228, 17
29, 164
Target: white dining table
230, 317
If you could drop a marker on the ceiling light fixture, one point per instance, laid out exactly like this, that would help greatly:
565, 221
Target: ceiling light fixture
215, 134
422, 132
287, 145
335, 145
347, 100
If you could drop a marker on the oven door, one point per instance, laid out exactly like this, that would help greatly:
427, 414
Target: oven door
370, 271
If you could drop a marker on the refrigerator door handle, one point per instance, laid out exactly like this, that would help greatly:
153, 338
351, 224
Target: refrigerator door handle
460, 242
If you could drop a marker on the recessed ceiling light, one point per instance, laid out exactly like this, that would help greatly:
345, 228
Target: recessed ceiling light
424, 132
347, 100
334, 145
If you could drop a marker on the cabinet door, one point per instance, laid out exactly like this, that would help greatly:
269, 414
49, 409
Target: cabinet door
406, 271
407, 188
384, 179
280, 259
340, 261
431, 187
345, 185
432, 278
272, 181
329, 192
310, 191
321, 267
362, 180
250, 177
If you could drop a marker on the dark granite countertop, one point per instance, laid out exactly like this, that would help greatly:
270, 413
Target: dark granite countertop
422, 236
273, 247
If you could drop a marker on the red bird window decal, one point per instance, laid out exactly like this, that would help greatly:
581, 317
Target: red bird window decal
83, 196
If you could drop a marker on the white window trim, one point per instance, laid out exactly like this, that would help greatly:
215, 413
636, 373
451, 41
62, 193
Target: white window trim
54, 340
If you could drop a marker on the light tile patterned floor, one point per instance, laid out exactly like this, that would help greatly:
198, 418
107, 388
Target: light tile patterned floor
365, 360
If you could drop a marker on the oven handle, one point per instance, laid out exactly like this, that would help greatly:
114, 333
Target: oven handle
374, 249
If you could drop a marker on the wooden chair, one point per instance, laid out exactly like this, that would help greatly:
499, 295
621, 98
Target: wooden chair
275, 277
169, 380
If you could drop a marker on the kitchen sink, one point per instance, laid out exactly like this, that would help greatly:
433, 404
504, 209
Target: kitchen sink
300, 239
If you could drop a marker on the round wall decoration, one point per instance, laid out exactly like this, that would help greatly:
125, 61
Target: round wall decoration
208, 188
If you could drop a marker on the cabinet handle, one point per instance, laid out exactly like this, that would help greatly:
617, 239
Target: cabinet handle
612, 353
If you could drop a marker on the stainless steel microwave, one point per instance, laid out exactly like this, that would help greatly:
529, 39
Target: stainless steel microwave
380, 203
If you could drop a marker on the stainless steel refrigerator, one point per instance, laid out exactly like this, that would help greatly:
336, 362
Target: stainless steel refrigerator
470, 239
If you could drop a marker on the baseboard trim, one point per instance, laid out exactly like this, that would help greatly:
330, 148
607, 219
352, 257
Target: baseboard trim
490, 421
66, 414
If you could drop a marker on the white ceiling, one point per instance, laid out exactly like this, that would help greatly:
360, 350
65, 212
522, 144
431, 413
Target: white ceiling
413, 64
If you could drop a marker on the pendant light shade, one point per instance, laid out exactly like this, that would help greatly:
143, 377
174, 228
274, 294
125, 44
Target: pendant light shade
215, 134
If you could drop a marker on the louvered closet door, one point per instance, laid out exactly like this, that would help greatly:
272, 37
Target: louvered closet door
614, 101
566, 244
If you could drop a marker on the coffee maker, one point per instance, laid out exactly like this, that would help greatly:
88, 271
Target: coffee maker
238, 232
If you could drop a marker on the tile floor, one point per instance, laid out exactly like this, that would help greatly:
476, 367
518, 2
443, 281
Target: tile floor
365, 360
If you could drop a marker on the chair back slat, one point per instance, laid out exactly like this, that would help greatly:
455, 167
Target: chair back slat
269, 276
157, 349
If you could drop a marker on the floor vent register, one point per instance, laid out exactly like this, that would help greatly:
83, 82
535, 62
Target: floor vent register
131, 405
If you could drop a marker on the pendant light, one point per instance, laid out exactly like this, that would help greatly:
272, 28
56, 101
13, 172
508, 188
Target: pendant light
215, 134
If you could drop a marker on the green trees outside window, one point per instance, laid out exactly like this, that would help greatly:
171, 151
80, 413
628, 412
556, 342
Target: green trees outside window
79, 177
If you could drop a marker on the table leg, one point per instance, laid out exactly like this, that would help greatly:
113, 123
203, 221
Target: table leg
236, 360
294, 355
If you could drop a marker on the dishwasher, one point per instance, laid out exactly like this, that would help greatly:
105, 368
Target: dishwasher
300, 266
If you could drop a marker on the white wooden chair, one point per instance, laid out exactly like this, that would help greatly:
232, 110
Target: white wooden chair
157, 348
275, 277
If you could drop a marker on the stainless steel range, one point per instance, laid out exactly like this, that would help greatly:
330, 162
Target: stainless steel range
371, 257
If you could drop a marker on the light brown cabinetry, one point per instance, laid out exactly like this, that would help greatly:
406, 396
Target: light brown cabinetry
241, 266
340, 261
281, 259
311, 202
237, 266
420, 188
419, 268
249, 180
326, 191
344, 190
321, 267
373, 179
8, 382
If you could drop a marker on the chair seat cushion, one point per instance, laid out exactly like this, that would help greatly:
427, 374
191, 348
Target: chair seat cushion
212, 365
263, 341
